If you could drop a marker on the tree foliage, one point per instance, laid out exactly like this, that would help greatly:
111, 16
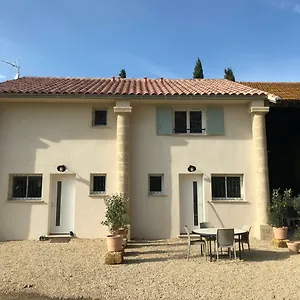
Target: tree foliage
228, 74
122, 73
198, 70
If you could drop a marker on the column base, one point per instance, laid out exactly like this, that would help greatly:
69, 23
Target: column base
263, 232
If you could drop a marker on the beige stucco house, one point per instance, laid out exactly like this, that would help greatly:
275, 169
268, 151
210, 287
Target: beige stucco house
68, 142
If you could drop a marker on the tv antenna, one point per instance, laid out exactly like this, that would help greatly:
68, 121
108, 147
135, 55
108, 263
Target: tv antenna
15, 65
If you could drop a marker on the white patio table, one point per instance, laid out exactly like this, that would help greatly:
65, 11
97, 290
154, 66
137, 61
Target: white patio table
211, 233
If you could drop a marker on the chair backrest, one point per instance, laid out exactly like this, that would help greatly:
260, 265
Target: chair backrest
245, 236
206, 225
187, 232
225, 237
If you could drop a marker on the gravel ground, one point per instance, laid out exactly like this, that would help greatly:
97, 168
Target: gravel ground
152, 270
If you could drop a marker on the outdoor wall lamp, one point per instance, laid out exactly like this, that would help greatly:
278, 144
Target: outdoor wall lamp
191, 168
61, 168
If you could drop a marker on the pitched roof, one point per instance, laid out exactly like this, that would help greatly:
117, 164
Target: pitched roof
117, 86
285, 90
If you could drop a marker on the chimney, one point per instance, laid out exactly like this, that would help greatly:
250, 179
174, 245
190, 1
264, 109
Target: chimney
113, 78
145, 78
161, 79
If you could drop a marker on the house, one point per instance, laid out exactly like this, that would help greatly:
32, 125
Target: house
184, 151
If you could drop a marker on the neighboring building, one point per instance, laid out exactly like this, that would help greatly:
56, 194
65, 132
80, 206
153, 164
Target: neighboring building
283, 134
136, 137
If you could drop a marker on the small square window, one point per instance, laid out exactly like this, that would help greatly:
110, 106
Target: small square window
98, 183
99, 117
227, 187
24, 187
155, 184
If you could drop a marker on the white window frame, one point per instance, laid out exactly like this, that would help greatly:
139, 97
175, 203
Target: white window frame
92, 192
188, 124
94, 114
11, 181
241, 176
162, 184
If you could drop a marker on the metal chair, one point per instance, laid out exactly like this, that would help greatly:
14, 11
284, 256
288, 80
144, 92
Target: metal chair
193, 242
225, 239
245, 237
206, 225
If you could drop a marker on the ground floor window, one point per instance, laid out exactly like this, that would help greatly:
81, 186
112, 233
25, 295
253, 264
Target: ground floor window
227, 187
155, 184
98, 183
28, 186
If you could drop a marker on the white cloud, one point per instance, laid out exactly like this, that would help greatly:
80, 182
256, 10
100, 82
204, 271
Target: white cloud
286, 5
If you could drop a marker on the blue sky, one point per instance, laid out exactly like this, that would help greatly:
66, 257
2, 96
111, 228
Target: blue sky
258, 39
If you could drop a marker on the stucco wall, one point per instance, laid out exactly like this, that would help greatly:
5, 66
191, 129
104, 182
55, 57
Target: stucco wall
35, 138
159, 217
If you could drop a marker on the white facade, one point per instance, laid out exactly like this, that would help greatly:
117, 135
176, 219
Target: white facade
38, 135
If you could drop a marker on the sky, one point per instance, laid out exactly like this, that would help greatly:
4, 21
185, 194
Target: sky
258, 39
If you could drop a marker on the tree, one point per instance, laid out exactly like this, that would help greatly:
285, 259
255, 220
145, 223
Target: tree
122, 73
198, 71
228, 74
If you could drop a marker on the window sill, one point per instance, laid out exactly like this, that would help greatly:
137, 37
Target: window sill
24, 201
157, 195
229, 201
100, 127
98, 195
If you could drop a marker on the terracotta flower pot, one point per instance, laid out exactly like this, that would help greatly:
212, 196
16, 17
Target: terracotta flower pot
293, 247
114, 243
280, 233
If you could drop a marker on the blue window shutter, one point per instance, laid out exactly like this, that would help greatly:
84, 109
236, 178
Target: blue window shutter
215, 120
164, 120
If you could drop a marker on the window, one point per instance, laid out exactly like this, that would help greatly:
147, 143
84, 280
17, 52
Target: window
188, 121
155, 184
26, 187
227, 187
98, 183
99, 117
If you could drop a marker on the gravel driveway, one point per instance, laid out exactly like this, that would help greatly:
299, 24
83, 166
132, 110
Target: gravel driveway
153, 270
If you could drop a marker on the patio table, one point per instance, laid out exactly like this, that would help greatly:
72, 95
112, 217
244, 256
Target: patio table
211, 233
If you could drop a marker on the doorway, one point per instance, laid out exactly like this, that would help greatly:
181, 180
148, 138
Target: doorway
62, 204
191, 201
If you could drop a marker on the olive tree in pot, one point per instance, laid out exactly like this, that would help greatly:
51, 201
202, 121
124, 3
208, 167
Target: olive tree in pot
116, 218
294, 245
278, 209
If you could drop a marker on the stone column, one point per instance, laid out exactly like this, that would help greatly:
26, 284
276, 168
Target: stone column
123, 111
261, 174
123, 143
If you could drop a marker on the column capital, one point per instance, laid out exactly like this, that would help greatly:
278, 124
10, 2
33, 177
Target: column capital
122, 109
259, 110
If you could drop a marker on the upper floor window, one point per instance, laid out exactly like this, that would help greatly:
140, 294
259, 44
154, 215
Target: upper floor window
26, 187
227, 187
188, 121
99, 117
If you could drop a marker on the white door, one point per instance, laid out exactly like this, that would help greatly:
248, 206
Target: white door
191, 201
63, 204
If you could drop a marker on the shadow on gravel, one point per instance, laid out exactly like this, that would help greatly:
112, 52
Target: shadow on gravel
264, 255
145, 260
23, 296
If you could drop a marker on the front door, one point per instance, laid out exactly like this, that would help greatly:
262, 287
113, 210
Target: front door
191, 201
63, 204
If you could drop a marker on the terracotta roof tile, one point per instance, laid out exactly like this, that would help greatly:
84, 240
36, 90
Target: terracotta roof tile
117, 86
285, 90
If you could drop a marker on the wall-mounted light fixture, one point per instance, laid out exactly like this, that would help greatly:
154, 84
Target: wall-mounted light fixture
191, 168
61, 168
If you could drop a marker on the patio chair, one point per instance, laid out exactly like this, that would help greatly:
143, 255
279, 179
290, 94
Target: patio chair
202, 244
225, 239
245, 237
206, 225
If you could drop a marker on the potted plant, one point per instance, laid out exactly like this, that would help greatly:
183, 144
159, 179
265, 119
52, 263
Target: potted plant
294, 245
116, 218
278, 210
